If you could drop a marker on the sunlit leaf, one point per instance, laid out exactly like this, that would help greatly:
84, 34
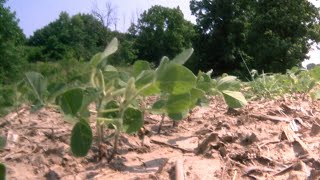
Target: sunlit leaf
183, 57
140, 66
234, 99
196, 94
226, 83
132, 120
95, 60
175, 79
81, 139
111, 48
178, 103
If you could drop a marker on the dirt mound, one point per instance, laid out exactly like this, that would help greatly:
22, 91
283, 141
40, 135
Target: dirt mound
274, 139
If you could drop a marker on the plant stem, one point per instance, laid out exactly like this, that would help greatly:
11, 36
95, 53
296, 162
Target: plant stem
115, 147
161, 122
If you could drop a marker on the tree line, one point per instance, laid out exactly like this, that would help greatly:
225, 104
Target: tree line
230, 36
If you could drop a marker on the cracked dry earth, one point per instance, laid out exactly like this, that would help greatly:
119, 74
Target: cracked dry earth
268, 139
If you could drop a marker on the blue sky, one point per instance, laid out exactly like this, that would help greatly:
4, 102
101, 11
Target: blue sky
35, 14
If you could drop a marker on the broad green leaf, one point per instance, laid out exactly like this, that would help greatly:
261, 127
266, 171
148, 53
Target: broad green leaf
226, 83
204, 82
183, 57
153, 89
175, 79
163, 64
95, 60
2, 172
81, 139
140, 66
159, 107
89, 95
132, 120
2, 142
196, 94
145, 78
179, 116
71, 101
110, 49
234, 99
110, 105
178, 103
110, 68
38, 84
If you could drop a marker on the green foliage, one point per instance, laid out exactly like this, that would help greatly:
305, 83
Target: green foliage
11, 46
117, 95
162, 31
71, 102
79, 37
2, 172
81, 138
38, 84
132, 120
269, 36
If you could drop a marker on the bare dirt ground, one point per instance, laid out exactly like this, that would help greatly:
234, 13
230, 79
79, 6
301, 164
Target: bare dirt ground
268, 139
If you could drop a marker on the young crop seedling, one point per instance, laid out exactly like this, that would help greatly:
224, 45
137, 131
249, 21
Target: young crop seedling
117, 96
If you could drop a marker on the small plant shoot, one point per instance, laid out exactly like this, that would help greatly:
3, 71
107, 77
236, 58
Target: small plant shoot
117, 97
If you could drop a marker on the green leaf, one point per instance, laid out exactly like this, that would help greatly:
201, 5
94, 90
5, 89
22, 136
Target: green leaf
234, 99
175, 79
163, 63
111, 105
38, 84
183, 57
226, 83
153, 89
146, 77
2, 171
140, 66
159, 107
81, 139
204, 82
71, 101
132, 120
2, 142
178, 103
110, 68
179, 116
110, 49
196, 94
95, 60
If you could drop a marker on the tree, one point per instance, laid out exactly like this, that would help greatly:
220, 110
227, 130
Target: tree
107, 16
161, 31
11, 42
268, 35
280, 34
79, 36
222, 26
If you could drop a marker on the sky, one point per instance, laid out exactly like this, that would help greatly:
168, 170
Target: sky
35, 14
